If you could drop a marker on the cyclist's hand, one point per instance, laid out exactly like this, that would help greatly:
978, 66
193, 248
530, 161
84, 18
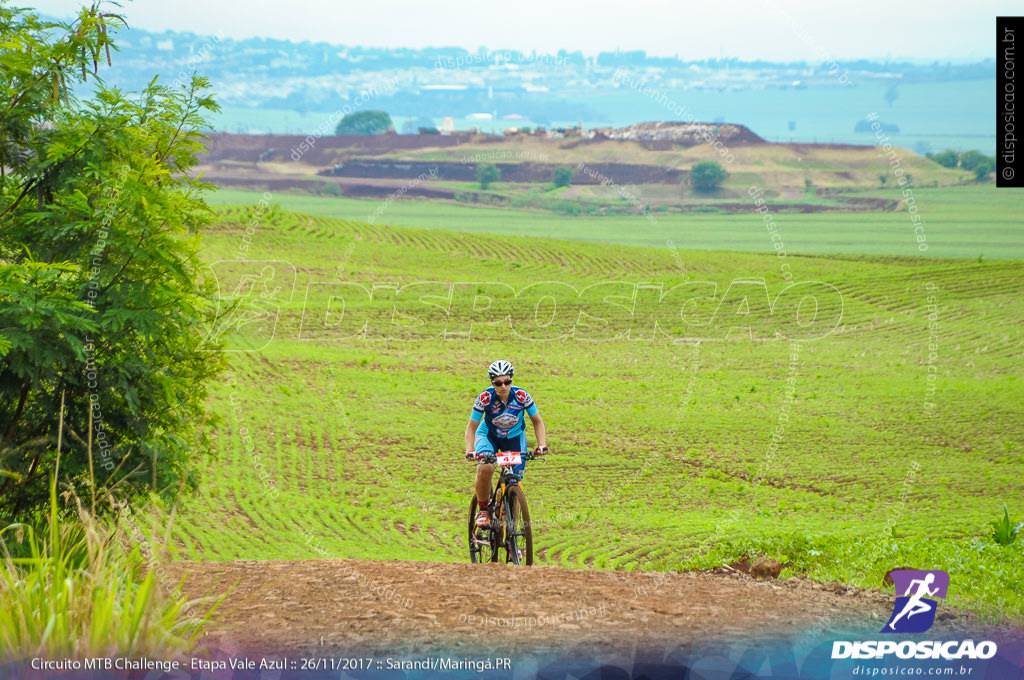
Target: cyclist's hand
471, 455
540, 450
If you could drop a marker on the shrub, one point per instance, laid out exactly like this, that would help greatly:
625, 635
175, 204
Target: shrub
969, 160
85, 588
103, 301
707, 175
567, 208
562, 176
947, 158
365, 123
487, 173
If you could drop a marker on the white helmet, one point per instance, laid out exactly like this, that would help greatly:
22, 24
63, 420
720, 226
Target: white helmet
500, 367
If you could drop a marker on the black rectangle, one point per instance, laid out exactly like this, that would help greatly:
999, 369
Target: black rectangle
1009, 153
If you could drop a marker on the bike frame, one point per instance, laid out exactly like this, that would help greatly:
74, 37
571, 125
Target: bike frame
507, 478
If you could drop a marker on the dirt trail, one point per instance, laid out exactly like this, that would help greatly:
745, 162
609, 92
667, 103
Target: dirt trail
293, 607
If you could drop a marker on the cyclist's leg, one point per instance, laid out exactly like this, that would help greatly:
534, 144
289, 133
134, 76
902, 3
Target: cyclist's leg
516, 443
484, 471
520, 445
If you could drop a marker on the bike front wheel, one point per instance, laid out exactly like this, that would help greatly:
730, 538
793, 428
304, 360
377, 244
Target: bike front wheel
476, 549
481, 547
517, 534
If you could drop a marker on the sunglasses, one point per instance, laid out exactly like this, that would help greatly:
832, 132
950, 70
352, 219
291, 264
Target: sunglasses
501, 383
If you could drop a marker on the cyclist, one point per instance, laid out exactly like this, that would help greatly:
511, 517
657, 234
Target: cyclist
497, 423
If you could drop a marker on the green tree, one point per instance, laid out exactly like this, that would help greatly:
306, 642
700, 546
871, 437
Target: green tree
562, 176
486, 173
101, 299
365, 123
969, 160
982, 170
947, 158
707, 175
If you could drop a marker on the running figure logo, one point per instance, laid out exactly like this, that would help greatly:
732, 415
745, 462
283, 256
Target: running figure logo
915, 612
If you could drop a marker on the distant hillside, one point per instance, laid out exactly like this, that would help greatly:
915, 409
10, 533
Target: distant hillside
311, 68
646, 154
259, 74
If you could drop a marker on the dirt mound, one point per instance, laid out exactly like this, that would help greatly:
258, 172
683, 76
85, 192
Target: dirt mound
389, 606
686, 134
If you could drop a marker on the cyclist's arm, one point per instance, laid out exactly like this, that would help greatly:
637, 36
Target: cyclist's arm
471, 434
475, 416
539, 429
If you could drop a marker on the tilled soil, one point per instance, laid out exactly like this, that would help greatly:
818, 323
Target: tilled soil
382, 187
320, 607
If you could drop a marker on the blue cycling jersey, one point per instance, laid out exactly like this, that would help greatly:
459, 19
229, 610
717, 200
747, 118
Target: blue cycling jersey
502, 419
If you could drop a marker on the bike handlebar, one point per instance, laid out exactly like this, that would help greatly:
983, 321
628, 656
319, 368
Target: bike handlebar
527, 455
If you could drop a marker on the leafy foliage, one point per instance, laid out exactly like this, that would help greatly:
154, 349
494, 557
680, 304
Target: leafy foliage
983, 576
969, 160
486, 174
972, 161
562, 176
982, 170
365, 123
947, 158
85, 586
101, 304
707, 175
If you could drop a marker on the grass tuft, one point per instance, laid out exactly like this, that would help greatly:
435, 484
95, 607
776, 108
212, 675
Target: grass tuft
1003, 531
82, 587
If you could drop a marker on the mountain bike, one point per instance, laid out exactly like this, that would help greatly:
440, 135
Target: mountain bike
509, 532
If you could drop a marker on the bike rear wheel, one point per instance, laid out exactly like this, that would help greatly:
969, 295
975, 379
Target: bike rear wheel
516, 532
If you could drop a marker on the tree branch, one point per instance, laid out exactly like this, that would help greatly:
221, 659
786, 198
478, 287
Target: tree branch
123, 267
17, 416
35, 182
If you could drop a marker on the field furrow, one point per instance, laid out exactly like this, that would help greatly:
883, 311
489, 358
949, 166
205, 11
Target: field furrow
668, 455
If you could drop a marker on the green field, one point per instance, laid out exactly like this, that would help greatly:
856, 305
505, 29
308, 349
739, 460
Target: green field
964, 222
355, 442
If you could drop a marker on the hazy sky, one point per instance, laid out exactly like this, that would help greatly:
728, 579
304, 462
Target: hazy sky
780, 31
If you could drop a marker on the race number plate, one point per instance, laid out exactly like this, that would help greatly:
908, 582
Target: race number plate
509, 458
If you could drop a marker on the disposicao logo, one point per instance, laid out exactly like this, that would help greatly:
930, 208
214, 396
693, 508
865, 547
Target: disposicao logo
914, 612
